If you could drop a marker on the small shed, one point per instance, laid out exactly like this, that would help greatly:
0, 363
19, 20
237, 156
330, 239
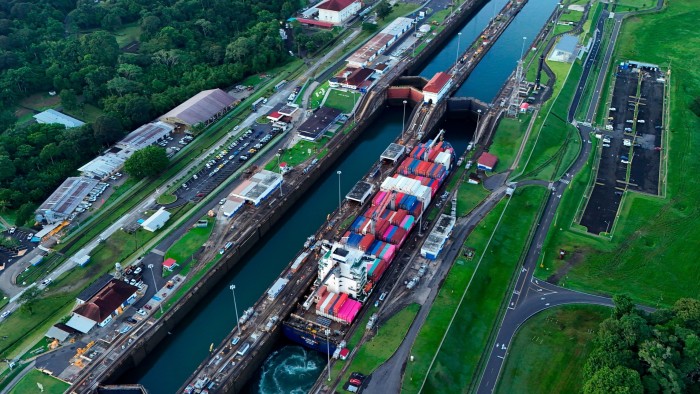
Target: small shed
170, 264
487, 161
156, 221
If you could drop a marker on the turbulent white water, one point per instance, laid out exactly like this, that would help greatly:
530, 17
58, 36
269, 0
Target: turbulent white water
291, 369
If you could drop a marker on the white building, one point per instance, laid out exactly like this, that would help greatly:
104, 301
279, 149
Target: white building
156, 221
52, 116
338, 11
436, 88
345, 269
566, 49
259, 186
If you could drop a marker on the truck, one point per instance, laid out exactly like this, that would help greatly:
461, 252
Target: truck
258, 102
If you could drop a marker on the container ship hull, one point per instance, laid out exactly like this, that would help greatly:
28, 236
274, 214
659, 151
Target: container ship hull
350, 267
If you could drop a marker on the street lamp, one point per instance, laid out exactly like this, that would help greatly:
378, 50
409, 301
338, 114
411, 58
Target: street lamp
522, 50
238, 323
459, 38
340, 202
155, 287
328, 352
282, 180
403, 126
607, 227
478, 119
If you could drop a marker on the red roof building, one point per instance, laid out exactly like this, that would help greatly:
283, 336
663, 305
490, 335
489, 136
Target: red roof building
170, 263
436, 88
313, 22
338, 11
274, 115
108, 302
487, 161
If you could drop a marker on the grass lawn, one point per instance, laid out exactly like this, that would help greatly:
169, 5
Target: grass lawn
458, 358
317, 96
342, 100
28, 384
550, 350
468, 197
571, 16
649, 258
507, 139
191, 241
634, 5
255, 79
166, 199
383, 345
297, 154
127, 34
559, 29
87, 113
120, 190
40, 101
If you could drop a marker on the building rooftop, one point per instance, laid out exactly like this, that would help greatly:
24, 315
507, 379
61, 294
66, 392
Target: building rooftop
258, 186
288, 110
335, 5
53, 116
360, 192
488, 160
437, 82
567, 43
393, 152
318, 123
398, 26
66, 197
371, 48
106, 301
199, 108
94, 288
145, 135
313, 22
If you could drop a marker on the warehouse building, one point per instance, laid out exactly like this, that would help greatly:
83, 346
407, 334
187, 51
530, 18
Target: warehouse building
317, 124
62, 202
338, 11
104, 165
380, 42
204, 107
144, 136
258, 187
51, 116
437, 238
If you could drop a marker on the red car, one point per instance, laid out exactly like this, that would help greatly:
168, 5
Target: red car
147, 307
355, 382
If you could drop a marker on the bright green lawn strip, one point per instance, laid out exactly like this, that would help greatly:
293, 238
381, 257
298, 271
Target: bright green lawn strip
634, 5
298, 154
190, 242
550, 351
571, 16
649, 258
34, 272
120, 190
341, 100
187, 285
507, 140
164, 199
8, 374
4, 300
464, 344
28, 384
42, 346
560, 29
377, 350
318, 94
469, 196
127, 34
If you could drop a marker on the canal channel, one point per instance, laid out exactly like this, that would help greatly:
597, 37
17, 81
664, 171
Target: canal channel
291, 367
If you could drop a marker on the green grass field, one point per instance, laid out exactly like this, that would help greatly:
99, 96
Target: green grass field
550, 350
634, 5
30, 384
297, 154
383, 345
507, 140
87, 112
127, 34
342, 100
457, 360
190, 242
317, 96
468, 197
649, 258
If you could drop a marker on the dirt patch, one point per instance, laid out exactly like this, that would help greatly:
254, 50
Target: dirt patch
572, 260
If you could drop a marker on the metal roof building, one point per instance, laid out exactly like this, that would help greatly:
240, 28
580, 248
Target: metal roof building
318, 123
203, 107
156, 221
565, 50
63, 201
53, 116
145, 135
437, 238
259, 186
103, 166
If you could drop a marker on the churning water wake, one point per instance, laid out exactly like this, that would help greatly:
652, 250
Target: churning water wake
291, 369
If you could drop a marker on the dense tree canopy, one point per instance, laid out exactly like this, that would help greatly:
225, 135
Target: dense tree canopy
70, 46
147, 162
638, 352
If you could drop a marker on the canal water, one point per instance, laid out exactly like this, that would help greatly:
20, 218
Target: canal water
291, 367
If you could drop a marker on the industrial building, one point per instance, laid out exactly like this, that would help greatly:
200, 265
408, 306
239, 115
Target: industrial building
437, 238
204, 107
437, 88
566, 49
338, 11
100, 309
276, 288
231, 206
62, 202
317, 124
156, 221
258, 187
51, 116
144, 136
352, 78
380, 42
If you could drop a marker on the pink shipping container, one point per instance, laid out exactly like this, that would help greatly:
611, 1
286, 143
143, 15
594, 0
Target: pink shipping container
349, 310
379, 198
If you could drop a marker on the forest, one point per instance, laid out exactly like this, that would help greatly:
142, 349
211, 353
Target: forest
71, 47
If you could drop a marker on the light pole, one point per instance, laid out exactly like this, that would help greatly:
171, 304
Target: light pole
522, 50
607, 227
150, 266
459, 38
340, 202
403, 126
354, 110
238, 323
478, 119
328, 352
282, 180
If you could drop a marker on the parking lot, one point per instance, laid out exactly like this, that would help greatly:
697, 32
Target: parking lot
226, 161
21, 238
631, 145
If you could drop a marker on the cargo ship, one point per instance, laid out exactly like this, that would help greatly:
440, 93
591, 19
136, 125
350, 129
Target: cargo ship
350, 266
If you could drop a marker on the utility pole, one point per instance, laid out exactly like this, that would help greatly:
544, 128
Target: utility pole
235, 306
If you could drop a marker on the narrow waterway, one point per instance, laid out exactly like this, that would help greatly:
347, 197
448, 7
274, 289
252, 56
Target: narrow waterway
165, 370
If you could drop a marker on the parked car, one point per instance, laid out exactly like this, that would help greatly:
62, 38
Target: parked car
142, 312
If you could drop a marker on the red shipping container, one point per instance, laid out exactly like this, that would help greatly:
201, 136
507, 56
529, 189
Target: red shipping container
322, 291
339, 304
379, 271
366, 242
330, 303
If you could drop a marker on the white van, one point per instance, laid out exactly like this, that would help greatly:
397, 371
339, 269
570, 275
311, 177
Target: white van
243, 350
